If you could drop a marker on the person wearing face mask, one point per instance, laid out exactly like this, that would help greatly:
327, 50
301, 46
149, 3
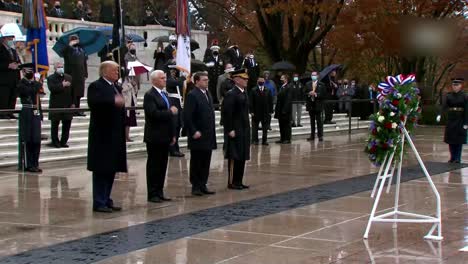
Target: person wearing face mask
57, 11
345, 92
315, 93
215, 68
59, 85
252, 66
76, 65
261, 108
234, 56
9, 74
455, 104
159, 57
80, 12
283, 110
131, 56
297, 90
168, 51
30, 119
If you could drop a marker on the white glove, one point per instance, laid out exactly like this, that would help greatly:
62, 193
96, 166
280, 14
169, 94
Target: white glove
37, 75
465, 127
438, 119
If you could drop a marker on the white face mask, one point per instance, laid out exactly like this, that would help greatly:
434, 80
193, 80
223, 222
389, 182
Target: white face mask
296, 79
60, 70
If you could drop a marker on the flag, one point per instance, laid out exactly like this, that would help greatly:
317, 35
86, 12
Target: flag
118, 29
183, 36
35, 21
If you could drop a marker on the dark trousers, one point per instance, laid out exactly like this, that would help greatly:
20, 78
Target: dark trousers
77, 101
54, 124
200, 161
175, 148
236, 171
32, 151
8, 98
156, 167
285, 128
255, 123
455, 152
328, 107
102, 188
316, 116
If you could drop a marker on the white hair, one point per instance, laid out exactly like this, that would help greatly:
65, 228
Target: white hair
155, 74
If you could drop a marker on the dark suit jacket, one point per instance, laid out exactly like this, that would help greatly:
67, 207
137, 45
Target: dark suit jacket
283, 108
60, 97
54, 13
231, 56
317, 103
107, 150
76, 64
168, 52
8, 77
159, 126
261, 103
199, 116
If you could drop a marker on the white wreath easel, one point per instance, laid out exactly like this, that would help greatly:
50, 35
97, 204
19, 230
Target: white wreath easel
395, 216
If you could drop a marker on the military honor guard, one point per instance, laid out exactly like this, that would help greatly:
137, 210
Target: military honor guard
215, 69
30, 119
237, 129
456, 106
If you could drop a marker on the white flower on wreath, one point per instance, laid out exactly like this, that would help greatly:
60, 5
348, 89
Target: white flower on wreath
379, 128
394, 125
392, 113
381, 119
398, 95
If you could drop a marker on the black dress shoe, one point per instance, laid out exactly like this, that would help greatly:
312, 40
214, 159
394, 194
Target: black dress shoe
265, 144
155, 200
320, 139
278, 142
115, 208
81, 114
300, 125
164, 198
103, 210
310, 139
54, 145
12, 116
197, 192
456, 161
235, 187
245, 186
450, 161
35, 170
64, 145
286, 142
177, 154
206, 191
255, 143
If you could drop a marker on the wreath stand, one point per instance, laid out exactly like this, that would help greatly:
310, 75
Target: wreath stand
396, 216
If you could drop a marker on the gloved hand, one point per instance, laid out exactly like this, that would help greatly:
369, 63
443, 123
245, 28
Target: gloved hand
465, 127
438, 119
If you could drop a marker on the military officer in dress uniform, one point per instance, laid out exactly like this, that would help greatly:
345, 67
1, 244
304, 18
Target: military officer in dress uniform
456, 106
237, 129
30, 119
215, 69
174, 88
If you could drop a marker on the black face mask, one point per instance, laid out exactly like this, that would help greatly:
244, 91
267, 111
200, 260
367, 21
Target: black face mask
57, 6
215, 53
261, 83
132, 51
345, 83
29, 75
173, 43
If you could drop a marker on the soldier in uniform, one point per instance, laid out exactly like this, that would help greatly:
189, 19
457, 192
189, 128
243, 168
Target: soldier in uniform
456, 106
237, 129
30, 119
215, 69
174, 88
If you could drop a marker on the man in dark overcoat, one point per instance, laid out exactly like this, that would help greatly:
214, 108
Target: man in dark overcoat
456, 106
215, 68
107, 150
283, 110
237, 129
159, 135
201, 133
9, 75
234, 56
315, 92
59, 85
261, 107
76, 65
174, 88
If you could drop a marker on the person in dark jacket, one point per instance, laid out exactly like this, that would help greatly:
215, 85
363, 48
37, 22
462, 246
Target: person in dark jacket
237, 129
234, 56
283, 110
201, 133
14, 6
261, 108
9, 75
297, 96
174, 89
215, 68
30, 119
59, 85
76, 65
57, 11
107, 152
253, 68
456, 105
315, 93
159, 135
4, 6
169, 49
159, 57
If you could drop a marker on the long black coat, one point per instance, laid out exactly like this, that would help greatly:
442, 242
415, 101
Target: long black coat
213, 73
76, 64
253, 69
8, 78
60, 97
284, 101
236, 117
315, 104
30, 122
159, 126
261, 103
107, 150
233, 58
199, 116
454, 132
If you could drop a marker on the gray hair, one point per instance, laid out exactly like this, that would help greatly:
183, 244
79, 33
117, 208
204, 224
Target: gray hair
56, 63
155, 74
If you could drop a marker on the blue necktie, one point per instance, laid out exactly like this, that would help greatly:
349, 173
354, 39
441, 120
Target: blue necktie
163, 94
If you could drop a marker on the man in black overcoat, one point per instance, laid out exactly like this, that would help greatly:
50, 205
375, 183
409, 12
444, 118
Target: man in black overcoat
174, 88
9, 75
315, 92
159, 135
201, 133
283, 110
237, 129
107, 152
59, 85
76, 65
261, 107
234, 56
215, 68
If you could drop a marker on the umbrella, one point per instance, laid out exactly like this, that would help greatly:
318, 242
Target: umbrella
194, 45
137, 68
328, 70
13, 29
283, 66
129, 36
91, 40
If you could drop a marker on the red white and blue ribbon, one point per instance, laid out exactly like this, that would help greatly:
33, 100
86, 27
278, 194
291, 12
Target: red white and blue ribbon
387, 87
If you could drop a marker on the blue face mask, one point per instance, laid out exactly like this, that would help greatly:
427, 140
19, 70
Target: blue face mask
11, 43
296, 79
314, 77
